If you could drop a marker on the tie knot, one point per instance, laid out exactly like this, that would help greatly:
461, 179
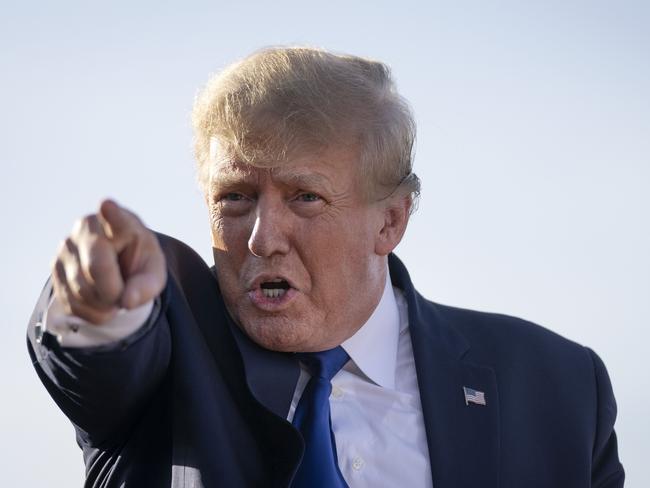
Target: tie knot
325, 364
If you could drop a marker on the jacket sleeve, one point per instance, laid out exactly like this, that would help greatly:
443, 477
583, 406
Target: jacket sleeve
102, 389
606, 469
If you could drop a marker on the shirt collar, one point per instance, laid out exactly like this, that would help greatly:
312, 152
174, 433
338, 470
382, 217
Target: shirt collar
373, 348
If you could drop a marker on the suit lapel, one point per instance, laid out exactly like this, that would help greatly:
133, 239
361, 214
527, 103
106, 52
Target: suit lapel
271, 379
271, 376
463, 439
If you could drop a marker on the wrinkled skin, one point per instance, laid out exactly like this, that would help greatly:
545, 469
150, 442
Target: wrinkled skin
309, 223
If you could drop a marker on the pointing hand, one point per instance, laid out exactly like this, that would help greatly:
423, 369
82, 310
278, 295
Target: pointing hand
109, 261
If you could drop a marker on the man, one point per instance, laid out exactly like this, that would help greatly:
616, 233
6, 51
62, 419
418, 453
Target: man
304, 357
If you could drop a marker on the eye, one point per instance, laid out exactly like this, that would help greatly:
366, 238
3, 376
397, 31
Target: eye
231, 204
308, 197
233, 197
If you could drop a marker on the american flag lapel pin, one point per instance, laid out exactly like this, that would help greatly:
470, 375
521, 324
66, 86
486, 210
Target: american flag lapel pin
474, 396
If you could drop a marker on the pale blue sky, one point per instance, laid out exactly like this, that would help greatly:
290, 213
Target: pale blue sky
533, 149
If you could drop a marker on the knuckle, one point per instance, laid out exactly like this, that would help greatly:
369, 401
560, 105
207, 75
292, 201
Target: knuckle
83, 223
58, 271
70, 245
97, 246
89, 219
77, 226
92, 239
56, 262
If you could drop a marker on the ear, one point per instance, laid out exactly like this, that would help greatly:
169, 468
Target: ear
396, 216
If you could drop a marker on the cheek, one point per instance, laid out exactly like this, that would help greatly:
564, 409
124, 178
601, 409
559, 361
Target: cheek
230, 248
218, 242
338, 256
230, 235
217, 232
352, 239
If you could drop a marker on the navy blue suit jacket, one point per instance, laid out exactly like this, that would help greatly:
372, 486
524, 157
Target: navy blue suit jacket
189, 401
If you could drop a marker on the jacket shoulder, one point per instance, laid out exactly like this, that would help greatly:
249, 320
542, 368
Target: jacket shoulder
190, 271
506, 334
179, 254
541, 373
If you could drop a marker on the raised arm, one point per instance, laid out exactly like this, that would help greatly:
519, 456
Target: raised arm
110, 261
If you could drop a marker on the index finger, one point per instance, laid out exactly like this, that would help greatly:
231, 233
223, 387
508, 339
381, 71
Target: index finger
118, 223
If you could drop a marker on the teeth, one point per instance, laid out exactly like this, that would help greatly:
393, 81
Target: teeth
273, 292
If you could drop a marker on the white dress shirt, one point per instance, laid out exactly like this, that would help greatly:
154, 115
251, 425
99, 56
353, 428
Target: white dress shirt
375, 402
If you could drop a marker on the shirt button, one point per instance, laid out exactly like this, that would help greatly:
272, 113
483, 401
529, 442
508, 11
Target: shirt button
357, 463
337, 392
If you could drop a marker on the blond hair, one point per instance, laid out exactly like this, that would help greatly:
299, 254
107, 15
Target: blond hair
282, 102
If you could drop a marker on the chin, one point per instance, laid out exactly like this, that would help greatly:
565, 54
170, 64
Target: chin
275, 334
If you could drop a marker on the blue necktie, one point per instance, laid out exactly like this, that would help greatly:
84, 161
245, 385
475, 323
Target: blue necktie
319, 467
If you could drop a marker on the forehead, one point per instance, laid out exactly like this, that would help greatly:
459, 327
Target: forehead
331, 169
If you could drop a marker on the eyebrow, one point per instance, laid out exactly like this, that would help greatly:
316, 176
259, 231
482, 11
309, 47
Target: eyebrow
280, 175
305, 180
230, 179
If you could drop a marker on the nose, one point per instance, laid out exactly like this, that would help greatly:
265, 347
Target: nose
270, 231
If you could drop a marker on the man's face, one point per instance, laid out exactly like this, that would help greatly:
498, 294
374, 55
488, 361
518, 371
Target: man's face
295, 249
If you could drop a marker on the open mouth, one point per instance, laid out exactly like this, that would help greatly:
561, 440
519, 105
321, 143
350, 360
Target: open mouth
272, 292
274, 288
